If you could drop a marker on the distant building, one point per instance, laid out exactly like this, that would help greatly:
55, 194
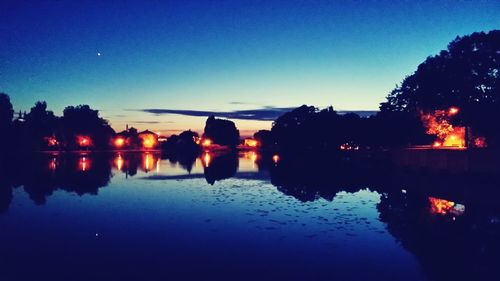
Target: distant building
149, 140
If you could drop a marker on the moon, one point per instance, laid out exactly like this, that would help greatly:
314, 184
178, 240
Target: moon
98, 54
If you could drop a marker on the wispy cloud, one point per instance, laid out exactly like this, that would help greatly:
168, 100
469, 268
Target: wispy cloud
266, 113
262, 114
151, 122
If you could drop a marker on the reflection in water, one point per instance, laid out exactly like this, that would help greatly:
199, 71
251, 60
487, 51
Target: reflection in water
119, 162
53, 164
252, 156
220, 166
419, 210
84, 163
276, 158
444, 207
462, 246
206, 159
148, 162
43, 173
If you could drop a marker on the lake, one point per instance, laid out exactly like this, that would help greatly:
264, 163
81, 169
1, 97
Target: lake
242, 216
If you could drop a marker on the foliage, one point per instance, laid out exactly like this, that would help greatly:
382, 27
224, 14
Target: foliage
221, 131
82, 120
465, 75
6, 111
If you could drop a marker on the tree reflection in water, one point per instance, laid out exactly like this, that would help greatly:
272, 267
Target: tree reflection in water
454, 238
450, 223
41, 174
219, 166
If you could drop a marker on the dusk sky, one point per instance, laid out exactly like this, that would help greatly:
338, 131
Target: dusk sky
156, 64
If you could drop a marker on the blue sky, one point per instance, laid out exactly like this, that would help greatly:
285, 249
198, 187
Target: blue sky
221, 56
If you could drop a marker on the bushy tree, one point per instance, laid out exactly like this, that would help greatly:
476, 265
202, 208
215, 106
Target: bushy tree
40, 123
82, 120
6, 115
221, 131
465, 75
6, 112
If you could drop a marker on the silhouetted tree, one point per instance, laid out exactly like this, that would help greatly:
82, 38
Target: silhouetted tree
82, 120
222, 166
182, 147
307, 127
265, 138
222, 131
39, 124
6, 115
465, 75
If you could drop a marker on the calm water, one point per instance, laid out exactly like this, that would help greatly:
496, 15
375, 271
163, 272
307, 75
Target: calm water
240, 217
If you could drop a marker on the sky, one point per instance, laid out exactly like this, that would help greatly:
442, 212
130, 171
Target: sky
165, 65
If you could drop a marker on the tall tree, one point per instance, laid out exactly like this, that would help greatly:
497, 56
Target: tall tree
465, 75
82, 120
40, 123
6, 112
221, 131
6, 115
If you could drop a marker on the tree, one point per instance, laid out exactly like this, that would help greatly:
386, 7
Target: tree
265, 138
6, 112
39, 125
308, 127
465, 75
221, 131
82, 120
6, 115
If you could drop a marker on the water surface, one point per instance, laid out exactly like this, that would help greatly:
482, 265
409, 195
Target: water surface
124, 216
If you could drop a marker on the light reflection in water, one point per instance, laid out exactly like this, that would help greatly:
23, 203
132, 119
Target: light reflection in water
251, 155
84, 163
119, 162
206, 159
444, 207
276, 158
149, 163
53, 164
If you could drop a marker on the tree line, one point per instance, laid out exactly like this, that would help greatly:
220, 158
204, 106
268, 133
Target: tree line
465, 75
40, 128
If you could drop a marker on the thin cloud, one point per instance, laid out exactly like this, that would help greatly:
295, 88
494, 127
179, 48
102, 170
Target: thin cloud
262, 114
151, 122
266, 113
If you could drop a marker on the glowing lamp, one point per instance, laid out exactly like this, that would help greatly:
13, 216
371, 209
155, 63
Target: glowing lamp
251, 142
83, 141
206, 142
119, 142
453, 110
276, 158
51, 141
